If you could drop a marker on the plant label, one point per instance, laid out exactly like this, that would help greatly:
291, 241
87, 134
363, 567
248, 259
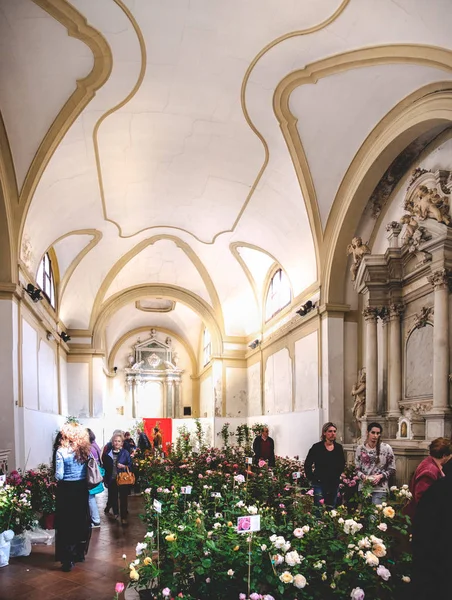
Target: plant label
249, 460
249, 523
186, 489
296, 475
157, 505
215, 495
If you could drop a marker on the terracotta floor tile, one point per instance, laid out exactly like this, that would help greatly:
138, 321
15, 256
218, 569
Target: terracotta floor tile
39, 577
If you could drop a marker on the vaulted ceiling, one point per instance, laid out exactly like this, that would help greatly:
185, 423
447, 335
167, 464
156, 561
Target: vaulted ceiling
180, 148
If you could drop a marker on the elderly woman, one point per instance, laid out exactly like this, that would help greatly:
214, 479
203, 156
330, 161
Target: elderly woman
72, 519
428, 471
117, 460
375, 463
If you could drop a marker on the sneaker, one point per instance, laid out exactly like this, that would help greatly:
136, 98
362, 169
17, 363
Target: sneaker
95, 525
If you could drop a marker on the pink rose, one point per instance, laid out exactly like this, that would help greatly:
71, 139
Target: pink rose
119, 587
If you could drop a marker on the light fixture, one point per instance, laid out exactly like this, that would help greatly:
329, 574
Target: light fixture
307, 307
254, 344
115, 369
64, 336
50, 336
34, 292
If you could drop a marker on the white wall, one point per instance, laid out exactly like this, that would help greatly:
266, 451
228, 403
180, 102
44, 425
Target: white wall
307, 372
278, 383
47, 378
206, 397
254, 389
78, 389
236, 392
29, 352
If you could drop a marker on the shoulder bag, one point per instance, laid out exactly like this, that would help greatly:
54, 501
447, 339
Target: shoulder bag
125, 478
93, 475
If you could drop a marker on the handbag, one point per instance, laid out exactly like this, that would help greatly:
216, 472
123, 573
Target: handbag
125, 478
93, 476
99, 488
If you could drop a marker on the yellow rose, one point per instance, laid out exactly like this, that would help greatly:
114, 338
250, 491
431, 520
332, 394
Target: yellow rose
236, 548
229, 523
170, 537
198, 521
286, 577
389, 512
147, 561
379, 550
134, 575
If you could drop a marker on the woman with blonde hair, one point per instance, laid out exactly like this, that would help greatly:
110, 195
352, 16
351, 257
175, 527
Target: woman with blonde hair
117, 460
72, 518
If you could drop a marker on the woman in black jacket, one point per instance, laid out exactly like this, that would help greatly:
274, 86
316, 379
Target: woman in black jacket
327, 458
116, 461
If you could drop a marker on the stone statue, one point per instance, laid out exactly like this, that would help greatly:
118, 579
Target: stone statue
168, 341
359, 407
427, 203
153, 332
137, 366
411, 225
358, 249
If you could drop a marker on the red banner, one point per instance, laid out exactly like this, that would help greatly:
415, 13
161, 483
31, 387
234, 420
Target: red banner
166, 429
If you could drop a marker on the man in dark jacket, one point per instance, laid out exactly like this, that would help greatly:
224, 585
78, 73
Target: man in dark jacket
264, 448
323, 466
143, 441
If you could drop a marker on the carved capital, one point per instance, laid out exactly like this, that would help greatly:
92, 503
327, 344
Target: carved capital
396, 310
370, 313
439, 279
394, 228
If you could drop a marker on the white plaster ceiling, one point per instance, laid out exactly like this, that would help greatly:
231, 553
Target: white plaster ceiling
179, 157
68, 249
182, 321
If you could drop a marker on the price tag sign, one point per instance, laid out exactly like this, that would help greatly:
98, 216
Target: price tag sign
249, 523
157, 506
249, 460
186, 489
296, 475
215, 495
2, 479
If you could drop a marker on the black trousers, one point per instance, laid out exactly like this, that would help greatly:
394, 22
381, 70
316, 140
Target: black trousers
118, 498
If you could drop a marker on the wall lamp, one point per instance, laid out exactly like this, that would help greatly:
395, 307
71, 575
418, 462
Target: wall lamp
115, 369
64, 336
305, 308
254, 344
33, 292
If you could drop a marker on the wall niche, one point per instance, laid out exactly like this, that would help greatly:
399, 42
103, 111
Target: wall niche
419, 363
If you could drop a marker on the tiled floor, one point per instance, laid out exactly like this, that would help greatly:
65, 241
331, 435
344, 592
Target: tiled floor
38, 577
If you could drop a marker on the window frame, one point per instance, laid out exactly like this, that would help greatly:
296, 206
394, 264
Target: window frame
206, 347
275, 271
47, 283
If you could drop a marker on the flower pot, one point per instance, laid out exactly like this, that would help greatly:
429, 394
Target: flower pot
5, 546
49, 521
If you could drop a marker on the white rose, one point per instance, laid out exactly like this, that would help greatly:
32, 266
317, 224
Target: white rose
383, 572
371, 559
293, 558
382, 527
299, 581
406, 579
230, 573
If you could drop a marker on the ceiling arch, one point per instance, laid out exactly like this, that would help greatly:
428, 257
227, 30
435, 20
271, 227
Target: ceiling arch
197, 304
186, 248
420, 112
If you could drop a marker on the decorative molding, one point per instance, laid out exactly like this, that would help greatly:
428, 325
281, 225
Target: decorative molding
357, 249
157, 309
396, 311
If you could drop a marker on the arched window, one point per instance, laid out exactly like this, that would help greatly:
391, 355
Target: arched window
45, 279
206, 346
278, 295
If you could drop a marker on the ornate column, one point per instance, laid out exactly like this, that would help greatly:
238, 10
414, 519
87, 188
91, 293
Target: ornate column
382, 405
440, 281
395, 361
170, 399
177, 400
165, 396
370, 315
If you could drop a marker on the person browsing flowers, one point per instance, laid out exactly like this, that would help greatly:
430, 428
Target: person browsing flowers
117, 460
375, 463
